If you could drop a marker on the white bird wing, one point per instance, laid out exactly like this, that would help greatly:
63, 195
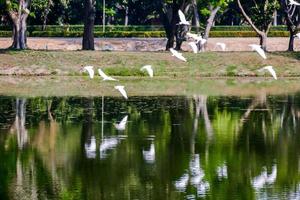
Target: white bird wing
298, 35
202, 41
124, 121
222, 45
194, 47
122, 91
149, 70
104, 76
182, 17
260, 51
90, 70
259, 181
191, 35
292, 2
178, 55
122, 124
272, 177
272, 71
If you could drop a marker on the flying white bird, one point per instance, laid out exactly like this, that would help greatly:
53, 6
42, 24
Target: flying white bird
297, 35
90, 70
122, 124
202, 41
259, 50
194, 36
270, 69
182, 18
177, 54
222, 45
105, 77
121, 90
149, 70
292, 2
194, 47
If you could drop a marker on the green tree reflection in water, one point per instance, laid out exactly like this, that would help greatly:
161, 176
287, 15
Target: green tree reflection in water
171, 148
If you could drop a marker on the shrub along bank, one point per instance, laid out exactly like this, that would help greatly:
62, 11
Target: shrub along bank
140, 34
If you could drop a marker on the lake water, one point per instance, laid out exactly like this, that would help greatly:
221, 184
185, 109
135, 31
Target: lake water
199, 147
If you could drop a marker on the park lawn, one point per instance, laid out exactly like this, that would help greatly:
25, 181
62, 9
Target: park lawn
119, 64
49, 86
57, 73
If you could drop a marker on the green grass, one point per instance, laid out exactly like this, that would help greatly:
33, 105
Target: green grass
82, 86
57, 73
209, 64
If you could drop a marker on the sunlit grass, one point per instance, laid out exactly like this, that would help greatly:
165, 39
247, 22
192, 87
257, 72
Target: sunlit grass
208, 64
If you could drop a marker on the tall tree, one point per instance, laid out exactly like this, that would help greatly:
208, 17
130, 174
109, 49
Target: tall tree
169, 18
260, 15
292, 18
209, 9
89, 20
18, 12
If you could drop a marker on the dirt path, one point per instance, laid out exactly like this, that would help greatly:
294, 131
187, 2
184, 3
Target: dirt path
146, 44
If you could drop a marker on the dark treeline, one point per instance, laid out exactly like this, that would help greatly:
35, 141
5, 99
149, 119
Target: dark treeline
203, 14
118, 12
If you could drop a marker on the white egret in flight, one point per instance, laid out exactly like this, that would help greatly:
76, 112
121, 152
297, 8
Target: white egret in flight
121, 90
105, 77
221, 45
90, 70
182, 18
177, 54
194, 47
122, 124
259, 50
270, 69
194, 36
149, 70
293, 2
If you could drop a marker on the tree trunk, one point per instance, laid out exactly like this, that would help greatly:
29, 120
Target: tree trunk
19, 33
19, 18
47, 10
210, 21
126, 15
89, 20
262, 33
263, 41
275, 18
291, 41
196, 16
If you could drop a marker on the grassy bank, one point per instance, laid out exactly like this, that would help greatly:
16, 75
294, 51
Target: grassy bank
210, 64
82, 86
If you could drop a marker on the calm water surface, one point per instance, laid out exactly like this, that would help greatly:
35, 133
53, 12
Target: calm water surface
197, 147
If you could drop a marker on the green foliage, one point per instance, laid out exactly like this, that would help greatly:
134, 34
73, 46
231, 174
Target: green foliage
204, 6
261, 12
5, 33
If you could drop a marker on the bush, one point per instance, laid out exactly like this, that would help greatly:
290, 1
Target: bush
247, 34
113, 34
5, 33
115, 28
246, 28
141, 34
